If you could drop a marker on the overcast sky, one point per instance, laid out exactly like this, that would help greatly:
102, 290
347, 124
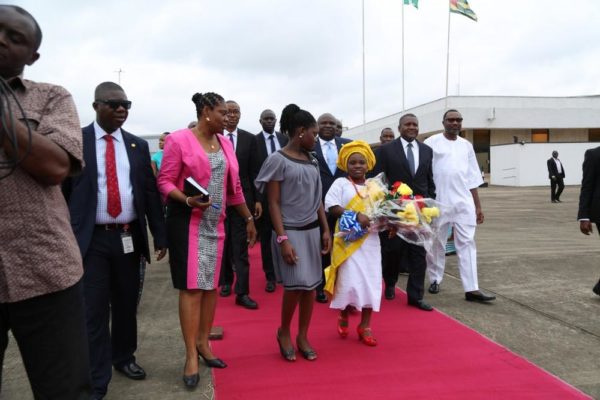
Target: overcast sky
268, 53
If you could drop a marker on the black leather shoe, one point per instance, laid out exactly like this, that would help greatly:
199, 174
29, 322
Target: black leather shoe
420, 304
390, 292
479, 296
191, 381
213, 362
225, 290
434, 288
321, 297
270, 287
132, 371
596, 288
246, 302
558, 201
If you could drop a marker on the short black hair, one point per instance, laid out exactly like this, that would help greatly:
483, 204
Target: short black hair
293, 117
385, 129
104, 87
166, 133
449, 111
404, 116
37, 30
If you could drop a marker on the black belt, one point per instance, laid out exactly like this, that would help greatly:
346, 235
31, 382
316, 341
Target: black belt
312, 225
115, 227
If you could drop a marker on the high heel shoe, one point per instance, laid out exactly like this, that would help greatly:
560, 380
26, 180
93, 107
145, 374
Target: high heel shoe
308, 354
365, 335
287, 354
342, 325
213, 362
191, 381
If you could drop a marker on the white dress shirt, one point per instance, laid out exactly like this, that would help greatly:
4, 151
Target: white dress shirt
268, 141
558, 165
128, 213
415, 150
233, 137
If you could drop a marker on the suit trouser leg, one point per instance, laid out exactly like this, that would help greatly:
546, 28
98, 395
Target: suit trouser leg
466, 251
239, 252
417, 264
561, 186
50, 333
265, 230
553, 189
390, 258
226, 275
436, 257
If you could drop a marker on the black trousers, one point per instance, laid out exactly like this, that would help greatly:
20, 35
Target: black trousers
556, 188
397, 252
111, 289
50, 333
235, 253
265, 232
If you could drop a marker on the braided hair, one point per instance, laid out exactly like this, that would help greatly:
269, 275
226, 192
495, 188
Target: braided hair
293, 117
210, 100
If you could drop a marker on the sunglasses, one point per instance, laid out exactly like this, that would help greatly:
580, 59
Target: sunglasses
454, 120
115, 104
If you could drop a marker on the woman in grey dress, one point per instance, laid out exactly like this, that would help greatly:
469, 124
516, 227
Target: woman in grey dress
290, 178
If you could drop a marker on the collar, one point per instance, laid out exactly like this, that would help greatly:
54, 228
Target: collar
227, 133
99, 132
406, 142
326, 142
267, 135
18, 83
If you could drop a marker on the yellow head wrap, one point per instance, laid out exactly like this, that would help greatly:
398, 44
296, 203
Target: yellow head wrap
356, 146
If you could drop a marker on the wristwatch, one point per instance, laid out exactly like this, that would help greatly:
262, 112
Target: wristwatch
281, 239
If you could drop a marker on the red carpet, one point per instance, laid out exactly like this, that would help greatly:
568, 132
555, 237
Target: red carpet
420, 355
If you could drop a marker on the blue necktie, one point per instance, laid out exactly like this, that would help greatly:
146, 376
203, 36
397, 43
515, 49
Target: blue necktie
411, 159
272, 140
232, 141
331, 157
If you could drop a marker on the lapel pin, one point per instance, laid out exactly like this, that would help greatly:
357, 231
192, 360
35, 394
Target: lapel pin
132, 144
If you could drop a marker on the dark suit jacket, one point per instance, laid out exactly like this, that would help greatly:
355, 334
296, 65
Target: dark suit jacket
262, 154
391, 159
81, 192
589, 198
246, 152
327, 177
553, 170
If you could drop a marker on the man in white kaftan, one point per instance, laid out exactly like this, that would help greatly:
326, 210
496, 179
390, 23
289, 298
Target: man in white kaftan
457, 176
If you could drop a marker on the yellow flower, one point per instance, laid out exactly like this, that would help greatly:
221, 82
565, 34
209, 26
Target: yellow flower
405, 190
429, 213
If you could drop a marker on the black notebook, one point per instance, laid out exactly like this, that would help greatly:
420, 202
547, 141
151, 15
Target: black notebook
193, 188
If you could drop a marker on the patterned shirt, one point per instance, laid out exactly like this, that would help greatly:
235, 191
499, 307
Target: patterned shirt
39, 253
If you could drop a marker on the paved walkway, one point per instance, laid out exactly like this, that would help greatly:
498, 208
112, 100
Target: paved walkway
531, 255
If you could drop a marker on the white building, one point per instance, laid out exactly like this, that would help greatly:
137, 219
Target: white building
513, 136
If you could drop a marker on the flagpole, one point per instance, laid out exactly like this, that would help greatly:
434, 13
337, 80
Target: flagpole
447, 61
363, 68
402, 6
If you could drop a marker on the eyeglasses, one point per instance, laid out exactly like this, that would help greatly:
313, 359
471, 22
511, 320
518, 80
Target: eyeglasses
115, 104
454, 120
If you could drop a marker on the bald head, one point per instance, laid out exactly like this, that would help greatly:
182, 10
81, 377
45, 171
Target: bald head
327, 126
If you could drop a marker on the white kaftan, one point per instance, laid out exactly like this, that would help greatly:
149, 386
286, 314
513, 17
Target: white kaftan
359, 277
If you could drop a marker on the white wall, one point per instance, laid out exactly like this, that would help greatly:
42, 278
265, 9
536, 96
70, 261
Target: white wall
525, 165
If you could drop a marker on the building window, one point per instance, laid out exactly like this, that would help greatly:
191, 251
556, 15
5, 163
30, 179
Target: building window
481, 140
594, 135
539, 135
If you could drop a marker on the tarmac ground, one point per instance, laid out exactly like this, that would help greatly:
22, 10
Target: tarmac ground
531, 254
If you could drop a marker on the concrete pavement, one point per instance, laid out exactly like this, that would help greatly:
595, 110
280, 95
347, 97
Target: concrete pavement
531, 255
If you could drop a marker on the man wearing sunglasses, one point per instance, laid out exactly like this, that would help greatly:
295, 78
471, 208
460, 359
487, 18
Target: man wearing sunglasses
456, 176
109, 205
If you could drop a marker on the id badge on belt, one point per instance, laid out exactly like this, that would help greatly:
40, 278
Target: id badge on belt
127, 240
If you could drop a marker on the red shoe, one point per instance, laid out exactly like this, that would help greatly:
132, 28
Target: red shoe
365, 335
342, 326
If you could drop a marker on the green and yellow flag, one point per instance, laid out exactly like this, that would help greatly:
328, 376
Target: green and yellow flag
413, 2
461, 7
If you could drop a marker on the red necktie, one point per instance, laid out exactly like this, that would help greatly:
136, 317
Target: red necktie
112, 183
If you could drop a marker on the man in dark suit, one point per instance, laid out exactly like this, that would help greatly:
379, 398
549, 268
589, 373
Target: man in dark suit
589, 198
235, 250
407, 160
326, 151
109, 204
556, 173
267, 142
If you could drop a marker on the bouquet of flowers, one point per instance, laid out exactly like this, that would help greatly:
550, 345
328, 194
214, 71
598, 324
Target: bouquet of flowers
412, 217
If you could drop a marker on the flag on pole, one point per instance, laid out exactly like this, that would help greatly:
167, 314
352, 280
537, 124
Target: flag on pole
461, 7
413, 2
